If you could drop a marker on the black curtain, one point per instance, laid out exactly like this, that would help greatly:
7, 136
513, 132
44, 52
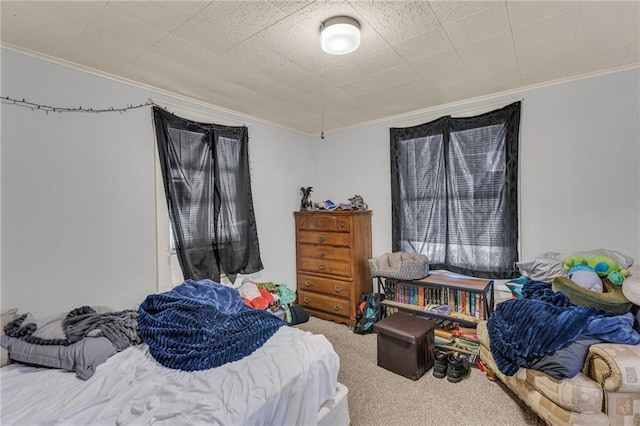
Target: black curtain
454, 189
205, 169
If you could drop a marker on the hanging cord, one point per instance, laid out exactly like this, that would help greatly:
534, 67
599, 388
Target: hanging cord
321, 106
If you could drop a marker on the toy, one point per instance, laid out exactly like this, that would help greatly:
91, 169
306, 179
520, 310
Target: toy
586, 278
604, 266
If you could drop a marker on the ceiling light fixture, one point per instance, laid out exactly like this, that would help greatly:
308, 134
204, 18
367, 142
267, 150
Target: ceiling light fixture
340, 35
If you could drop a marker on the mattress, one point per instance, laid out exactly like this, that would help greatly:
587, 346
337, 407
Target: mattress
285, 382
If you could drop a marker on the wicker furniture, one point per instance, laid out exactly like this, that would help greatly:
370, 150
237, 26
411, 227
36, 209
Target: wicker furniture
400, 265
332, 249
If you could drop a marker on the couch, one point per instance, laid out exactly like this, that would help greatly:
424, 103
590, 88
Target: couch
605, 392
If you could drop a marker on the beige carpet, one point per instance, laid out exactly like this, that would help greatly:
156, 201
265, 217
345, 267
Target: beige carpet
379, 397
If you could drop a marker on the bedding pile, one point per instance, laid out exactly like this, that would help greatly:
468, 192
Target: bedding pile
542, 322
202, 324
283, 383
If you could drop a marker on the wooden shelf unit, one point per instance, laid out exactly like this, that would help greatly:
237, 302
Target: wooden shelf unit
450, 285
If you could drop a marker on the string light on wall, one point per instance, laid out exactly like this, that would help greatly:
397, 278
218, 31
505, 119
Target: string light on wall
47, 108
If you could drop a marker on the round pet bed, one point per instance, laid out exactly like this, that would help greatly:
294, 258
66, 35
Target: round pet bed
400, 265
611, 299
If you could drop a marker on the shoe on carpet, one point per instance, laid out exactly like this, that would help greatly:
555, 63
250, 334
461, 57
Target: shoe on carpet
457, 368
440, 365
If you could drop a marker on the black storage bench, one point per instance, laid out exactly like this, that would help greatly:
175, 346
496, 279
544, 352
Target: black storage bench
406, 344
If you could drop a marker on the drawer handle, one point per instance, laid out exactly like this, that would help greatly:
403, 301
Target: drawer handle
321, 267
337, 289
336, 307
321, 253
307, 283
321, 239
307, 300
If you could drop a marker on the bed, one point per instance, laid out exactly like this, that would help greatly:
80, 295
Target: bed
290, 380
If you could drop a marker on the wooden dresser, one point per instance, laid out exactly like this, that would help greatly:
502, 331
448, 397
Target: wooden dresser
332, 250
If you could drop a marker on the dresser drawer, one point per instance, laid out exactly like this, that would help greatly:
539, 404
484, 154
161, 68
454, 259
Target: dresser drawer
324, 285
321, 302
324, 252
325, 266
325, 238
324, 222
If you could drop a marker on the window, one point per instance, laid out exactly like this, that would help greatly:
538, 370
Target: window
454, 192
205, 170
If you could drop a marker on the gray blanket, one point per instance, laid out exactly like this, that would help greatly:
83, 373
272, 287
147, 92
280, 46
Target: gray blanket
121, 328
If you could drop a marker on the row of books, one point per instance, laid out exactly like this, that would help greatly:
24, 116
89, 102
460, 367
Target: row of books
437, 300
455, 340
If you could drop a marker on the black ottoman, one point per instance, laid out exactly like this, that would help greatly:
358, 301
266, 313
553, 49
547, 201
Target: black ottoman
405, 344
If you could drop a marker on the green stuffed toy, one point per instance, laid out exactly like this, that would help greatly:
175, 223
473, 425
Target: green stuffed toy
604, 266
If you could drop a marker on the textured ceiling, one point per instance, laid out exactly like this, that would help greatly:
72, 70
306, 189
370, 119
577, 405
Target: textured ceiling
263, 58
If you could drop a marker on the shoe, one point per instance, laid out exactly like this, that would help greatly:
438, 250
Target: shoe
457, 368
440, 365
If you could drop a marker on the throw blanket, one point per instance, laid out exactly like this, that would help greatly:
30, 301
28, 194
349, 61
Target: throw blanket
202, 324
523, 330
121, 328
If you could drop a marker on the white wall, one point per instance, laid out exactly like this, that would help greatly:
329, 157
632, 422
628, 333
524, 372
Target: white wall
78, 198
579, 165
78, 205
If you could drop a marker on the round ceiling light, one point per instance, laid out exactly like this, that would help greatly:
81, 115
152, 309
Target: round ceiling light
340, 35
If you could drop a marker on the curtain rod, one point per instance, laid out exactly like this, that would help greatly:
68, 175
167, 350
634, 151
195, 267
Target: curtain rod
195, 114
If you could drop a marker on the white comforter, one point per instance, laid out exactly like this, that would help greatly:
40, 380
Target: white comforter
282, 383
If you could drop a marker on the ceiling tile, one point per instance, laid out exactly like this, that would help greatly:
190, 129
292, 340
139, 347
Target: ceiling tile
116, 23
534, 53
194, 56
246, 18
395, 76
499, 81
396, 21
522, 13
495, 45
610, 17
289, 7
493, 64
33, 28
79, 12
380, 60
425, 45
463, 90
209, 33
439, 63
549, 69
448, 11
558, 26
345, 73
292, 42
480, 25
445, 78
167, 15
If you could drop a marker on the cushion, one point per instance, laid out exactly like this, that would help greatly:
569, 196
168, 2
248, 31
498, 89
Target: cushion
611, 299
400, 265
550, 265
82, 357
7, 317
631, 285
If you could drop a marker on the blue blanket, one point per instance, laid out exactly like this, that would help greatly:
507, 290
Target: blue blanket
202, 324
523, 330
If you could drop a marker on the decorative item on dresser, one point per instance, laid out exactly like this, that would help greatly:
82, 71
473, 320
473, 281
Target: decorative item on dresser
332, 250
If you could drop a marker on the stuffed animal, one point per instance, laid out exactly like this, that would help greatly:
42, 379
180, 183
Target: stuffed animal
604, 266
585, 277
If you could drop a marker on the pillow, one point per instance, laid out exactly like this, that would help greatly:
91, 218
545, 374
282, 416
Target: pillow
516, 287
7, 317
83, 357
544, 268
